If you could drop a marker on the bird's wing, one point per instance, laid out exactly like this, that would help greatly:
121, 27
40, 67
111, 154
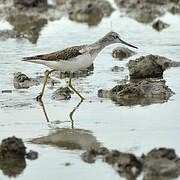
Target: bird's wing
64, 54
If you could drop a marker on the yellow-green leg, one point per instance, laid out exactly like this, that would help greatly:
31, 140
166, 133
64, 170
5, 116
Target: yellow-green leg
70, 85
38, 98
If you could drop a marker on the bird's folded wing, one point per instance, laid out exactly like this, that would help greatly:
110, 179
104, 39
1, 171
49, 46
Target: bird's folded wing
64, 54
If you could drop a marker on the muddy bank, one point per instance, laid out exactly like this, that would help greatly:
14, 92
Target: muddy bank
159, 163
12, 156
143, 92
146, 11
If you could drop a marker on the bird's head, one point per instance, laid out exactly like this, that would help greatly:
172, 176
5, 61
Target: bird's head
114, 37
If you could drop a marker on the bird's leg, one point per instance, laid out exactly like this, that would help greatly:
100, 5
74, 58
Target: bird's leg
38, 98
70, 85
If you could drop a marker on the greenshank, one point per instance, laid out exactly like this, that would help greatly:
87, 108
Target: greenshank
74, 58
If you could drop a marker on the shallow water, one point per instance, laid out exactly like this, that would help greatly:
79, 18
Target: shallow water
133, 129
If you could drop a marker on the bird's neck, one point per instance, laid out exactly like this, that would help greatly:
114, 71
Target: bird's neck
100, 44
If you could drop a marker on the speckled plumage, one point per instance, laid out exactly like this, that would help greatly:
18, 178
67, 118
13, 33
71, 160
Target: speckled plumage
64, 54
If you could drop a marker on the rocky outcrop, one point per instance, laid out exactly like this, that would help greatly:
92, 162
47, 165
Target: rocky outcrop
151, 66
62, 93
146, 11
143, 92
160, 25
122, 53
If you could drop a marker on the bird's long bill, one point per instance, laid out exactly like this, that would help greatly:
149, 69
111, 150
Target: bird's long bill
123, 42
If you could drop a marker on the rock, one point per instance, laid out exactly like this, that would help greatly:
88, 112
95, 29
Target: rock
144, 92
117, 69
32, 155
128, 164
62, 93
162, 162
146, 11
6, 34
162, 153
151, 66
21, 81
12, 147
89, 11
160, 25
175, 10
122, 53
6, 91
30, 3
89, 156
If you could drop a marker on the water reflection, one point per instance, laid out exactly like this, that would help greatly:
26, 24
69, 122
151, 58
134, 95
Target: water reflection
70, 114
12, 167
71, 139
28, 27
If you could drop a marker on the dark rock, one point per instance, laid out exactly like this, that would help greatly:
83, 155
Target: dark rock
6, 34
6, 91
175, 10
128, 163
151, 66
112, 157
32, 155
160, 25
122, 53
162, 162
62, 93
21, 81
30, 3
161, 153
12, 147
89, 156
117, 69
146, 11
143, 92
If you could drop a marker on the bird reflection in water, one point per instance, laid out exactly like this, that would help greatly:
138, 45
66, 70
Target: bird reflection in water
70, 114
